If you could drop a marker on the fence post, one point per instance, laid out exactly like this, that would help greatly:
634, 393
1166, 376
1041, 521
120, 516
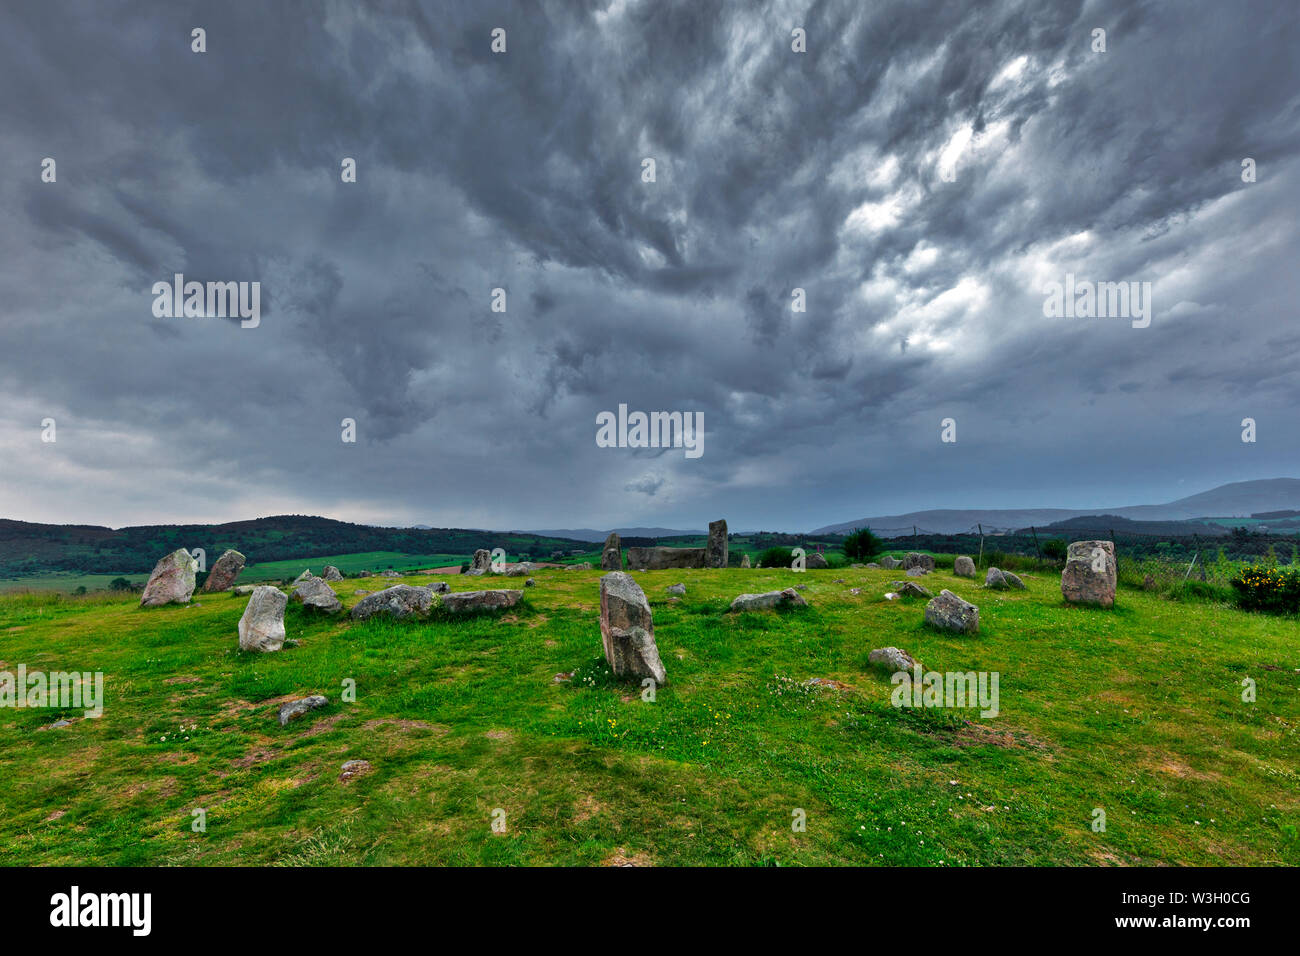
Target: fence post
981, 557
1037, 550
1115, 545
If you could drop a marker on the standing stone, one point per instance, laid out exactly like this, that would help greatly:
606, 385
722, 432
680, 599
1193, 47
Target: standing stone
482, 560
314, 592
996, 579
963, 567
627, 629
889, 562
331, 573
816, 561
715, 552
172, 580
948, 612
662, 559
744, 561
1089, 575
914, 559
262, 626
611, 558
223, 573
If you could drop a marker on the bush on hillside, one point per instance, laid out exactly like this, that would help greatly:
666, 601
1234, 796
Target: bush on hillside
776, 558
1056, 549
1262, 588
862, 545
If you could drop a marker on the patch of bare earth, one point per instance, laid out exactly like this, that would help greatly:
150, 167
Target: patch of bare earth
403, 725
973, 734
585, 809
622, 858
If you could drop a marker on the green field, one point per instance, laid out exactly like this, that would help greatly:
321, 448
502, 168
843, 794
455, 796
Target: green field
1136, 711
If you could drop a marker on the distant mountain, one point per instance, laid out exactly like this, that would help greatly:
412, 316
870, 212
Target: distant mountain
1238, 499
591, 534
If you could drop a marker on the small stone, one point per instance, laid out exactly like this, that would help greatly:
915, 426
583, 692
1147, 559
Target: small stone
296, 708
352, 769
891, 659
676, 589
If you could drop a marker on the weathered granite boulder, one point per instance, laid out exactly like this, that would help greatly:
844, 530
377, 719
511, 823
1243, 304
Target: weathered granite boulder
715, 552
399, 601
482, 560
914, 559
331, 573
662, 559
307, 574
963, 567
222, 575
770, 599
243, 590
464, 602
314, 592
676, 589
627, 630
948, 612
744, 561
872, 566
296, 708
262, 626
891, 659
172, 580
917, 572
816, 562
1089, 575
912, 589
611, 556
889, 562
1002, 580
438, 587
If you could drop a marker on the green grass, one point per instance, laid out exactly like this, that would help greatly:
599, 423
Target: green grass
1137, 711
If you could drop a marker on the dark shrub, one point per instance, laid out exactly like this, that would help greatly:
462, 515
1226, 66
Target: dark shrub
862, 545
776, 558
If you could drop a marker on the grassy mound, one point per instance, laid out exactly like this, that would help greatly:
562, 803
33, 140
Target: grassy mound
1137, 711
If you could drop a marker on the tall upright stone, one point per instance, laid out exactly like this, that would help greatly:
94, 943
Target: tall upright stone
262, 626
172, 580
1089, 575
627, 629
224, 572
611, 558
715, 552
744, 560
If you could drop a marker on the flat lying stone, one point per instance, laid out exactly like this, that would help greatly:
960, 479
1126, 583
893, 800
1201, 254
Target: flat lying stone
770, 599
296, 708
466, 601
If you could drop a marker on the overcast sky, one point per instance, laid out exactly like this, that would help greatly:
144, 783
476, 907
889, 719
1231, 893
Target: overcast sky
523, 170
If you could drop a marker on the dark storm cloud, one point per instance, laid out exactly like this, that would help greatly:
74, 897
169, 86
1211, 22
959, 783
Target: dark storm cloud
523, 171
